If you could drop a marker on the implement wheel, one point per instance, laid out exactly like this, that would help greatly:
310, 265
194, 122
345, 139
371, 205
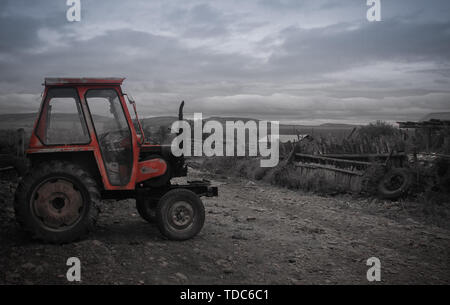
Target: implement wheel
395, 183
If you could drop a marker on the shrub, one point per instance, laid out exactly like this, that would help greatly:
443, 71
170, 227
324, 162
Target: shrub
377, 130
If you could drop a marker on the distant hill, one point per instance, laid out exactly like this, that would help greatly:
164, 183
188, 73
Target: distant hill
158, 121
26, 121
17, 120
334, 125
444, 116
224, 119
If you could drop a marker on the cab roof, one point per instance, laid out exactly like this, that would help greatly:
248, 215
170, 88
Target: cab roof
59, 81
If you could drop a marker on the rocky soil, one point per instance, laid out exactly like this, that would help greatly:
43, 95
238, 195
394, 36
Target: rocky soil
254, 233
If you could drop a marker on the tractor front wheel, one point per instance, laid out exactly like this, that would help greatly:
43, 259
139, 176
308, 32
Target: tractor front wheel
180, 214
56, 202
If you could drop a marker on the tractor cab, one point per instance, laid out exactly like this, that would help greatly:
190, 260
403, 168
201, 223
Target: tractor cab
88, 144
93, 116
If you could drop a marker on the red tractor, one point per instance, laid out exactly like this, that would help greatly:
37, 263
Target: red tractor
88, 144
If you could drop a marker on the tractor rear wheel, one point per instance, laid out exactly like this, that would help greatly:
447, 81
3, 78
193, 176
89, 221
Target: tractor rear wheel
56, 202
180, 214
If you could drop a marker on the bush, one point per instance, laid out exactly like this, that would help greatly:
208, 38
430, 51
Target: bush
371, 179
377, 130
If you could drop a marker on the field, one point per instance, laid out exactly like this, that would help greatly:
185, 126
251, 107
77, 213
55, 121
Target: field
254, 233
314, 230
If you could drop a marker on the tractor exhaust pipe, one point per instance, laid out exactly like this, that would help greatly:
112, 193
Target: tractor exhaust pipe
180, 111
180, 118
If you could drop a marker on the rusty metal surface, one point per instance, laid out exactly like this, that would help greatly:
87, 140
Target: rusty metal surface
55, 81
82, 85
57, 203
68, 148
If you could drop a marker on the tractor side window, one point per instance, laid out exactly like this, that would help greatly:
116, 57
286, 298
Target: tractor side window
113, 134
62, 121
105, 106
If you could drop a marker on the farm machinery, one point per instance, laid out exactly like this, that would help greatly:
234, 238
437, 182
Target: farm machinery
361, 164
87, 145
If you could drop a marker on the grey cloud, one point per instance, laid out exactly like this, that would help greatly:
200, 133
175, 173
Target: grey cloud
17, 33
300, 81
140, 55
291, 4
201, 20
339, 47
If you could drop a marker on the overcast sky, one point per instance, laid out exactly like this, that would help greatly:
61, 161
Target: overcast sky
311, 61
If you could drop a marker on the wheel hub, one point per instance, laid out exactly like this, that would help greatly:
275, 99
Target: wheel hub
394, 182
181, 214
57, 203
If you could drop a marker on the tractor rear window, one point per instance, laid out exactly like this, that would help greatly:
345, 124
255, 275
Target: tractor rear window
62, 121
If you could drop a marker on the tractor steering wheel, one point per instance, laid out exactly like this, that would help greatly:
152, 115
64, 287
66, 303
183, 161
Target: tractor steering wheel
112, 133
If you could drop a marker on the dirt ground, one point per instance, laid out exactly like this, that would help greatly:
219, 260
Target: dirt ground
254, 234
